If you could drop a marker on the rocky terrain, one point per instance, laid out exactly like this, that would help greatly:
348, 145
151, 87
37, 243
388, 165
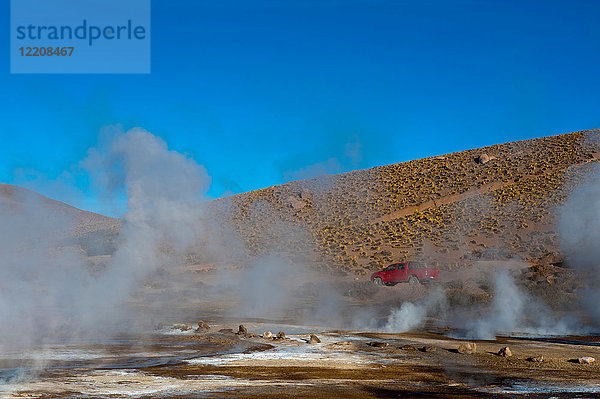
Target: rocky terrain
496, 203
222, 359
480, 206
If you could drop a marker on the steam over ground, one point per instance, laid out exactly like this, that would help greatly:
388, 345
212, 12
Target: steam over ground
48, 291
579, 226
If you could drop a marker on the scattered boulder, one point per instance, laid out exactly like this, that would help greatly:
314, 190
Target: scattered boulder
203, 326
313, 339
280, 335
226, 331
586, 360
536, 359
296, 203
408, 348
267, 334
242, 330
376, 344
304, 194
482, 158
428, 348
467, 348
505, 352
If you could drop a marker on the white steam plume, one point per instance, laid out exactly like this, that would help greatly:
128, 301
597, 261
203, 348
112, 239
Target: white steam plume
265, 287
413, 315
579, 228
47, 290
164, 218
514, 311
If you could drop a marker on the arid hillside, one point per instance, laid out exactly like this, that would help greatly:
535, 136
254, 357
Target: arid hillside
81, 228
492, 203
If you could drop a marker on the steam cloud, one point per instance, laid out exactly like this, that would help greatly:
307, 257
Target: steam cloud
514, 311
579, 226
46, 289
264, 288
164, 192
413, 315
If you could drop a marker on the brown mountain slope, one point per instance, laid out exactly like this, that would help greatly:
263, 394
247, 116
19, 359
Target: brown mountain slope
18, 199
496, 202
26, 209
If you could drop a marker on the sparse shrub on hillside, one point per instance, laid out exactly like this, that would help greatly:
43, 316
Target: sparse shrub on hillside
518, 187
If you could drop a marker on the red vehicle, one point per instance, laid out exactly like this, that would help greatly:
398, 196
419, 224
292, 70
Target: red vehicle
413, 272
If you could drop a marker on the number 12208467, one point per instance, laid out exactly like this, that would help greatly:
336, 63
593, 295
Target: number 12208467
46, 51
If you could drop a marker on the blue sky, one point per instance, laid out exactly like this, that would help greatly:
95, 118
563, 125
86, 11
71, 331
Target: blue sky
263, 92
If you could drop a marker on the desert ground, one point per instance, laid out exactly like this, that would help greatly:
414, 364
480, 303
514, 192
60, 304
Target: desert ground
177, 363
230, 356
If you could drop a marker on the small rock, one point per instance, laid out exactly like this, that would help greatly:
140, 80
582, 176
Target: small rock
251, 335
182, 327
467, 348
536, 359
267, 334
505, 352
295, 203
428, 348
408, 348
226, 331
202, 326
586, 360
377, 344
281, 335
482, 159
305, 194
242, 330
313, 339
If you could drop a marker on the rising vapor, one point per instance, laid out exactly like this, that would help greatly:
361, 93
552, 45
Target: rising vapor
48, 292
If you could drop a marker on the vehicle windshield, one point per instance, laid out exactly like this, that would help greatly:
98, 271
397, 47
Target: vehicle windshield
390, 268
